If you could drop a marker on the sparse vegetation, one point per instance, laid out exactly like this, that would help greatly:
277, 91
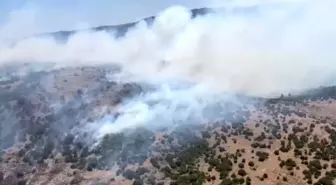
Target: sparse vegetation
284, 133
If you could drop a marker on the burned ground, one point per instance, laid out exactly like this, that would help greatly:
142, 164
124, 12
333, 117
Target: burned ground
285, 140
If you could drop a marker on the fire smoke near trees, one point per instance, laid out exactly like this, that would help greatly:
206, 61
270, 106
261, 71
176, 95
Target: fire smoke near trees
94, 87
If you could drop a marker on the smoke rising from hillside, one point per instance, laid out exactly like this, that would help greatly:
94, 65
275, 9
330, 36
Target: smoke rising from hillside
274, 49
166, 107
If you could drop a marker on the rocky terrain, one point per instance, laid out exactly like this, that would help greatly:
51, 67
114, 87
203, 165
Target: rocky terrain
50, 120
285, 140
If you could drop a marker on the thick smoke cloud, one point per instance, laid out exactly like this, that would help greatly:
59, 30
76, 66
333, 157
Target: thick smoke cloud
278, 48
167, 107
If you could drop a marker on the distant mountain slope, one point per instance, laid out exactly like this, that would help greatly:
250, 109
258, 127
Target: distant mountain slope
121, 29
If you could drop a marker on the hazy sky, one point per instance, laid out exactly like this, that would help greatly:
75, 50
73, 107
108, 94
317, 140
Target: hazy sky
26, 17
67, 14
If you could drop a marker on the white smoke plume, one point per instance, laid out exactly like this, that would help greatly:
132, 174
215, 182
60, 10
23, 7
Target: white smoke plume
166, 107
280, 47
276, 50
